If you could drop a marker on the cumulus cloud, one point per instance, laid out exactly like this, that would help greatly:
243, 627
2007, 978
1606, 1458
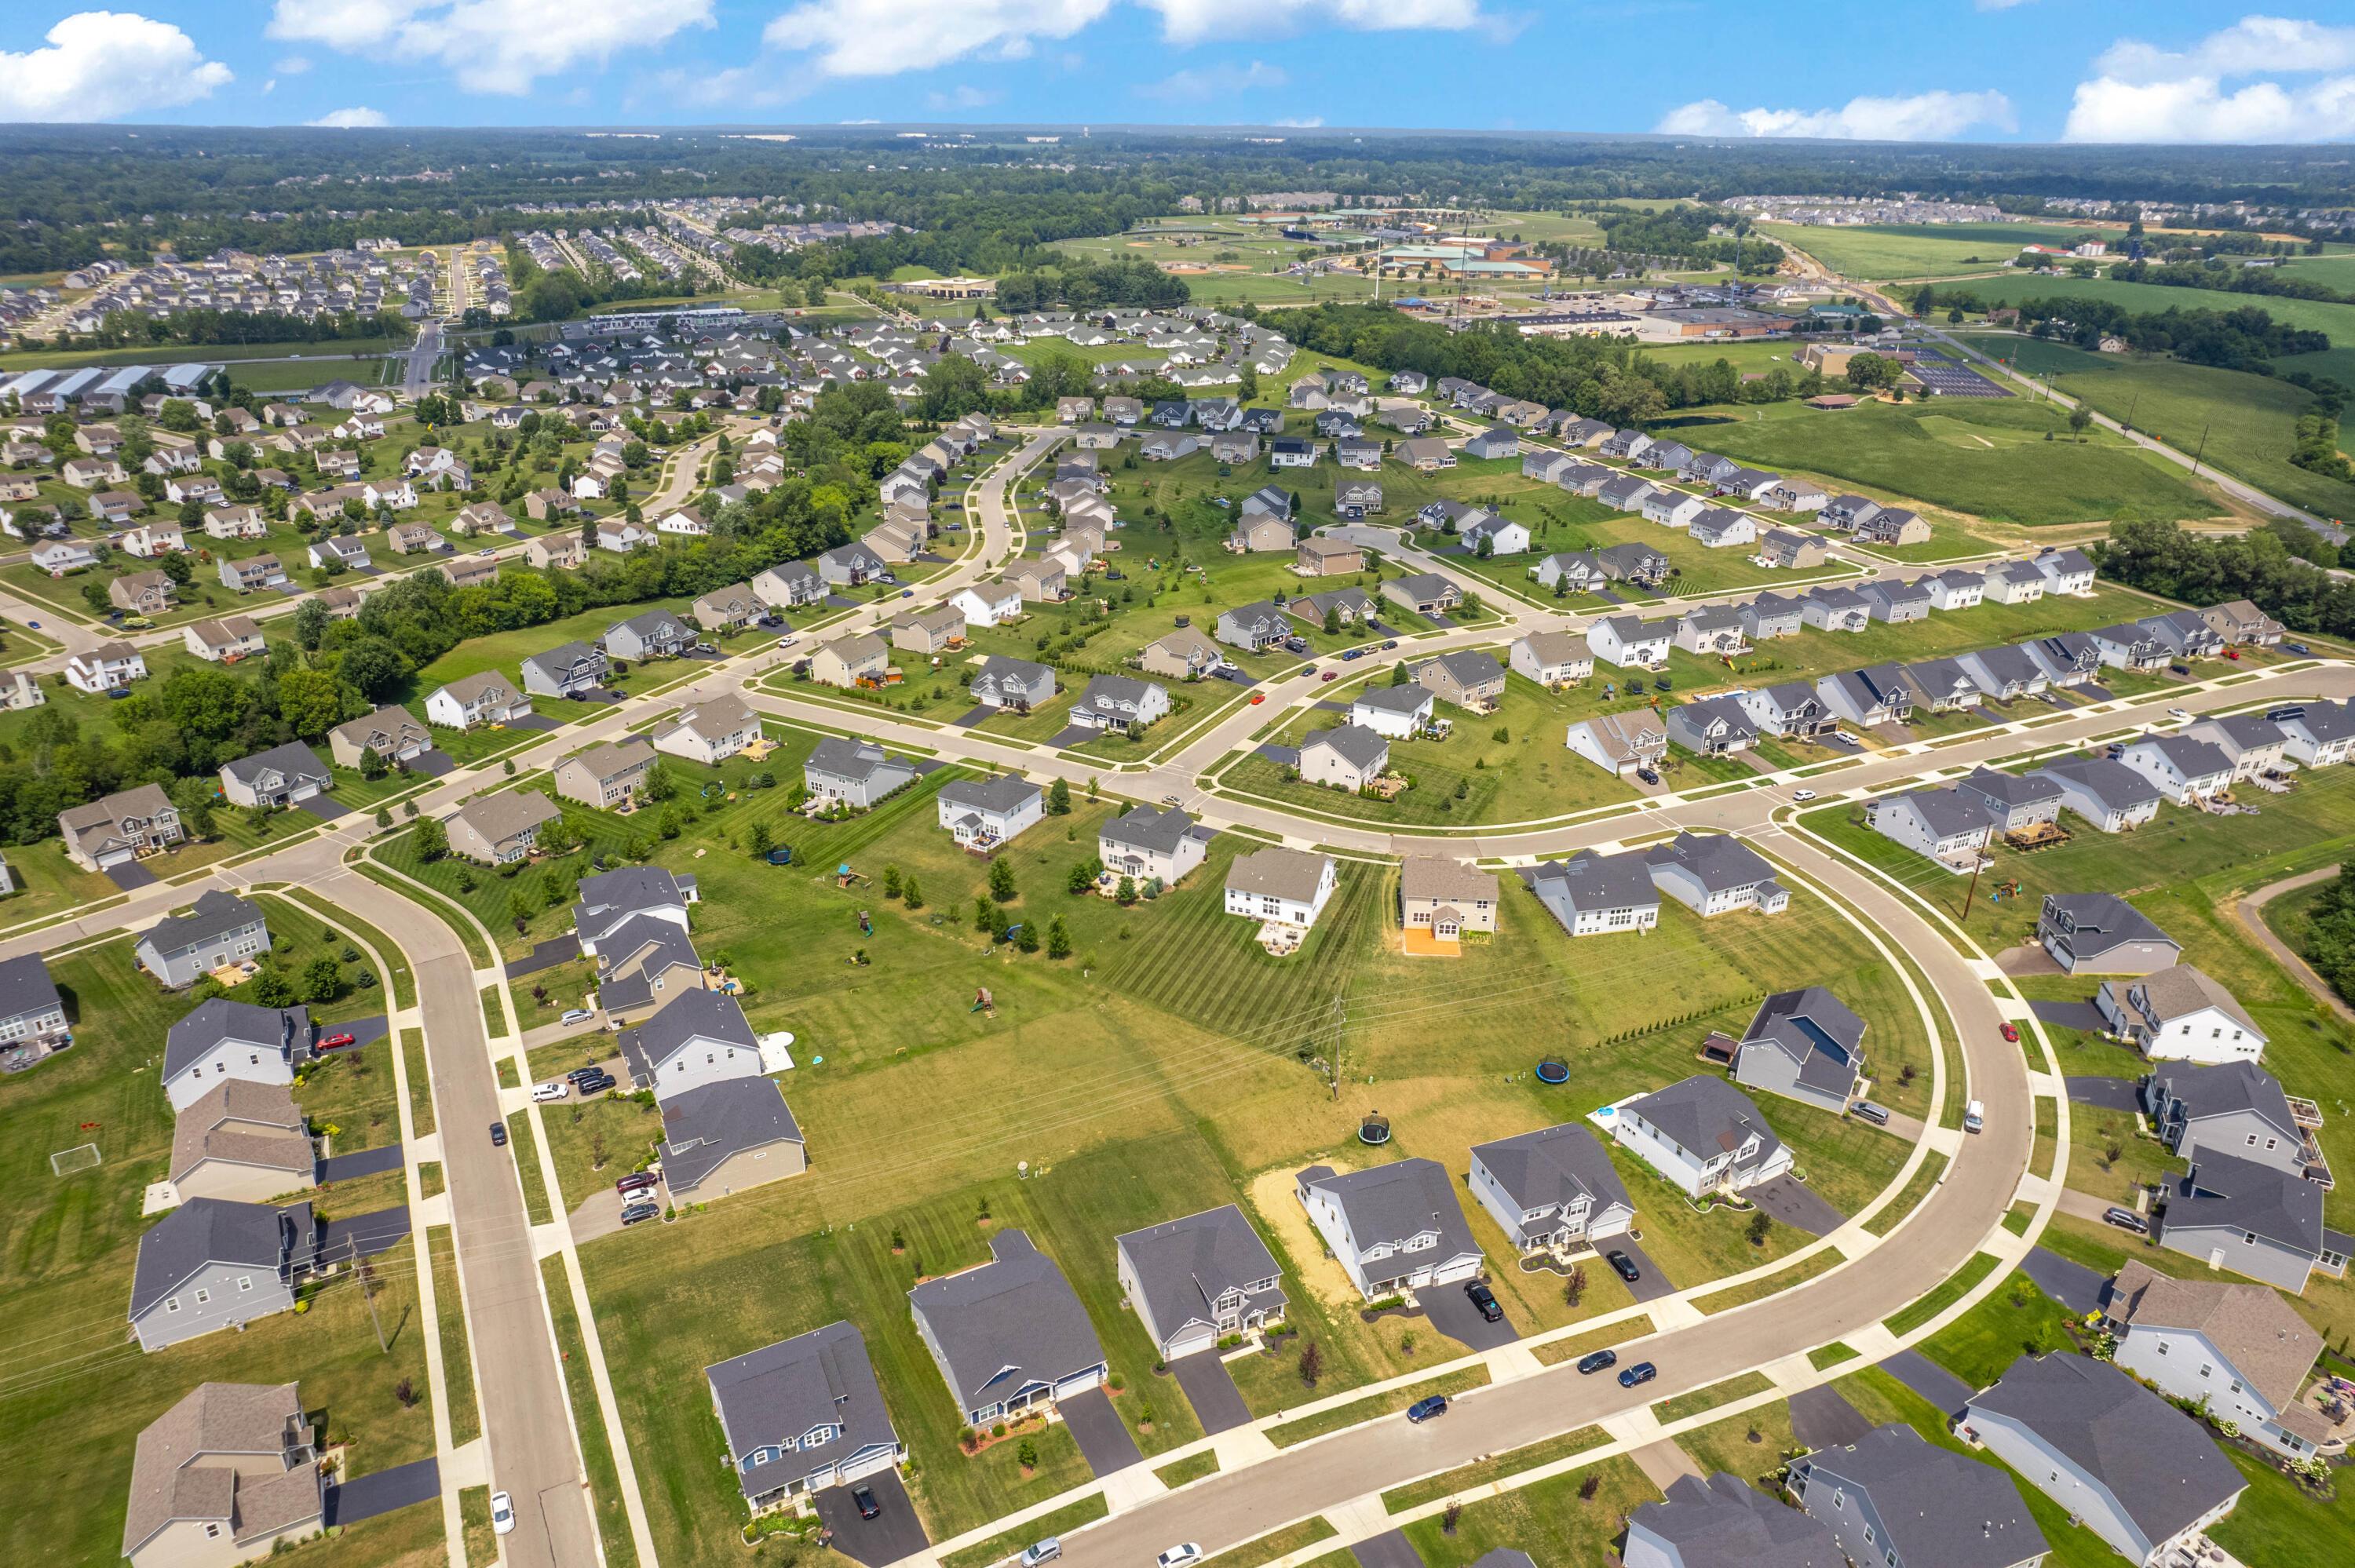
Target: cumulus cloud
97, 65
2145, 93
1192, 86
1921, 117
1194, 21
351, 120
884, 38
492, 46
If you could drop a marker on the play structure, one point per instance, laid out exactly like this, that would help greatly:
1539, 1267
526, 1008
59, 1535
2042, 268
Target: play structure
984, 1002
866, 925
1375, 1129
1553, 1070
846, 878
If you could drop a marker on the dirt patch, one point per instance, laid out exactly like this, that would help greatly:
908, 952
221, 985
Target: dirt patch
1271, 1195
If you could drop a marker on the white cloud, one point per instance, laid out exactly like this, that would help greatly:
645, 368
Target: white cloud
493, 46
884, 38
1193, 21
1309, 124
1922, 117
2143, 93
351, 120
1193, 86
102, 64
269, 86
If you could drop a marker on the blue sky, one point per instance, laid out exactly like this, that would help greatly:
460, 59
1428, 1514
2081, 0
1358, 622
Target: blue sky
1919, 70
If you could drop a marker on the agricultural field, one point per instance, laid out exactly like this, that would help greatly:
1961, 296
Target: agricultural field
2316, 316
1880, 253
2248, 421
76, 1391
1984, 458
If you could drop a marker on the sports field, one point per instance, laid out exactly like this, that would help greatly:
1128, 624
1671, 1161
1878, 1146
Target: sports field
1877, 252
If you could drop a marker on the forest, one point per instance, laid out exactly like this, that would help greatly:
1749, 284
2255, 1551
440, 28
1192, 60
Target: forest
2208, 568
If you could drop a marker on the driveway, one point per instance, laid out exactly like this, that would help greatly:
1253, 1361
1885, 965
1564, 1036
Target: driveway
365, 1497
2069, 1014
327, 811
892, 1534
1072, 734
2067, 1281
131, 878
1211, 1391
1104, 1441
1652, 1284
538, 723
1820, 1418
1797, 1204
1452, 1313
1928, 1379
967, 720
547, 956
365, 1031
2027, 959
1390, 1549
2109, 1094
1282, 756
364, 1162
433, 764
363, 1236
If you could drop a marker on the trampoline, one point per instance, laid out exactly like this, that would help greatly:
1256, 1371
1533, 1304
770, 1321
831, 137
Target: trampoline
1374, 1130
1553, 1070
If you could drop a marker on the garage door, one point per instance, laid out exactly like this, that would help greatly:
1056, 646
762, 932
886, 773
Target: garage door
1200, 1337
1464, 1268
873, 1462
1080, 1383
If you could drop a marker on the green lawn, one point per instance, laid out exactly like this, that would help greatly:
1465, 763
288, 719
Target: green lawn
457, 1352
1741, 1386
1070, 1516
2016, 1319
1463, 1478
1879, 251
1949, 1291
1374, 1406
1554, 1520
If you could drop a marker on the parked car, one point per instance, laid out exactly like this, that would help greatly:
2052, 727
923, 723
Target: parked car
336, 1042
580, 1075
1866, 1111
1623, 1265
499, 1135
554, 1089
596, 1086
2126, 1220
1598, 1361
2011, 1033
577, 1015
502, 1513
1647, 776
1799, 795
2300, 649
1041, 1552
1329, 674
1641, 1373
1424, 1410
637, 1182
2180, 715
633, 1213
863, 1495
1180, 1555
1485, 1300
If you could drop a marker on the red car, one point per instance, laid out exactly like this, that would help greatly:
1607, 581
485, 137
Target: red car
1258, 697
1330, 674
2232, 653
336, 1042
2011, 1033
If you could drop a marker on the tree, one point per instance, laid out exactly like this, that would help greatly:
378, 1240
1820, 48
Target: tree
430, 839
268, 988
372, 763
1312, 1364
1026, 938
1058, 800
762, 841
321, 979
983, 910
309, 703
1399, 676
890, 882
1125, 893
911, 894
1573, 1286
1059, 938
1759, 1223
1082, 878
1332, 619
310, 623
2079, 417
1001, 880
180, 567
374, 666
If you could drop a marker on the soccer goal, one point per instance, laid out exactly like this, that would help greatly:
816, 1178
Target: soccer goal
65, 1162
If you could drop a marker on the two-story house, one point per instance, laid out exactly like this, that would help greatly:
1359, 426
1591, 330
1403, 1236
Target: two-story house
1392, 1227
1195, 1280
1551, 1189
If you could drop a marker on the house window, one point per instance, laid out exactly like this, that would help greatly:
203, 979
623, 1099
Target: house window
170, 1304
203, 1297
212, 1531
245, 1282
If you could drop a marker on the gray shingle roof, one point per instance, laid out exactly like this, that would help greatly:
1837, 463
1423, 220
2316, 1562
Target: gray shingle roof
213, 1230
1591, 880
26, 988
295, 760
214, 913
1705, 1113
691, 1015
2163, 1471
1723, 1523
2224, 1088
1408, 699
1391, 1202
220, 1018
1816, 1030
1183, 1266
840, 758
1361, 746
1011, 1321
2112, 783
1000, 793
2237, 1194
776, 1395
1719, 860
2100, 922
1553, 1167
1935, 1505
704, 1126
1148, 828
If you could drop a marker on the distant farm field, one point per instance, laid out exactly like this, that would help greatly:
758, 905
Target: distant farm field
2316, 315
1877, 252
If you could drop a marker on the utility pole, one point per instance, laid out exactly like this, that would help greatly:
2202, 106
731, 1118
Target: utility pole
1976, 866
1340, 1021
2202, 449
368, 1294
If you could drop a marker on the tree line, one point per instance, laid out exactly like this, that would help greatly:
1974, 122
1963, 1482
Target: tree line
2208, 568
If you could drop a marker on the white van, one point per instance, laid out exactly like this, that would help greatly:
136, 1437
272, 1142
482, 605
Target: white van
1975, 1117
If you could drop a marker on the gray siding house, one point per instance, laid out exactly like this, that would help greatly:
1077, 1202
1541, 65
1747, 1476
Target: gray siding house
185, 946
1552, 1187
1805, 1045
211, 1265
1009, 1334
1892, 1492
856, 771
1194, 1280
803, 1415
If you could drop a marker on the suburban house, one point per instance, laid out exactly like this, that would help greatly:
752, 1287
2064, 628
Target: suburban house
696, 1038
2102, 934
1703, 1135
726, 608
1009, 1334
1552, 658
931, 632
1943, 824
609, 901
337, 552
1630, 642
2183, 769
727, 1137
1194, 1281
1712, 874
1281, 886
655, 634
1120, 704
1722, 528
2014, 803
2319, 733
1319, 557
223, 1039
2067, 658
102, 669
1619, 744
856, 772
1711, 631
1392, 1227
243, 1142
1712, 727
282, 776
2250, 1216
1038, 581
2236, 1108
390, 732
983, 813
216, 931
1835, 608
223, 642
1466, 678
1894, 1493
567, 670
2240, 622
1805, 1045
1445, 898
1148, 843
1551, 1189
1723, 1522
1346, 757
2178, 1014
1254, 626
788, 586
1788, 711
709, 732
118, 829
605, 777
850, 661
558, 552
486, 697
2183, 633
500, 829
1021, 684
225, 1476
1790, 549
2239, 1350
2015, 582
2134, 1471
140, 593
1593, 893
803, 1415
2255, 743
2127, 646
1771, 614
1426, 593
1184, 654
211, 1265
252, 572
1871, 695
1397, 713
